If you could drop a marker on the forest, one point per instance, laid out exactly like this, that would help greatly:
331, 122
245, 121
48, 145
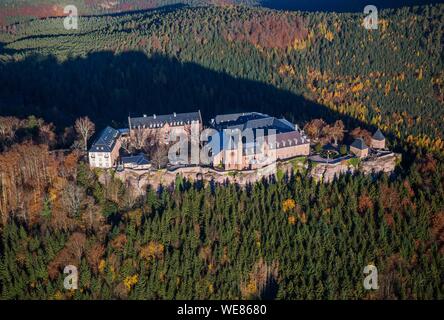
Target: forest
390, 78
286, 237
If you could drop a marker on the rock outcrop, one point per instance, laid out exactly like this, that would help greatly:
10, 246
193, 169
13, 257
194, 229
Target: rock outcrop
138, 181
385, 163
327, 172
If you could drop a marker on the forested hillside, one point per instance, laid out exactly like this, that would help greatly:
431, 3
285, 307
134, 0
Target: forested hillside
390, 77
13, 11
288, 237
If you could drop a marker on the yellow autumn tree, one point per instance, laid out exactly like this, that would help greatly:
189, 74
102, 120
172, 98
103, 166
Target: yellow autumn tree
102, 265
130, 281
288, 205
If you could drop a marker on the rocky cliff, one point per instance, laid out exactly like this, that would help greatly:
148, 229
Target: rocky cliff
139, 180
327, 172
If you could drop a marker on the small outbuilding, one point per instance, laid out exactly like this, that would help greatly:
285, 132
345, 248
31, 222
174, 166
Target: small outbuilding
359, 148
378, 140
136, 162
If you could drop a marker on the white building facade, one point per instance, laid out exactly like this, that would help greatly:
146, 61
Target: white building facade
105, 150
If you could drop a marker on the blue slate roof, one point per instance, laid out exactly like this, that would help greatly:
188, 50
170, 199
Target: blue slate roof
139, 159
288, 139
378, 136
359, 144
233, 119
278, 141
106, 140
158, 121
252, 120
286, 133
123, 131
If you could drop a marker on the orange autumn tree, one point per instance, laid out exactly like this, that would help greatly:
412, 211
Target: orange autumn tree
26, 170
365, 203
295, 212
363, 134
152, 250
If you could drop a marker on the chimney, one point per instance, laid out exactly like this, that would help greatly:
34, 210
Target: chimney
174, 114
154, 116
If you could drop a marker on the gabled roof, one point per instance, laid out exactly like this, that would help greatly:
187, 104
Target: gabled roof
139, 159
280, 125
158, 121
123, 131
280, 140
106, 141
359, 144
378, 135
288, 139
252, 120
236, 118
287, 123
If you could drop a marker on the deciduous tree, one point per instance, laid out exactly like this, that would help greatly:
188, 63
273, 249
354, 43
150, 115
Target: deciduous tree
85, 128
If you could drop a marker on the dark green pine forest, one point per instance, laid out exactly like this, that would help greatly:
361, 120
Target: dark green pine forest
287, 237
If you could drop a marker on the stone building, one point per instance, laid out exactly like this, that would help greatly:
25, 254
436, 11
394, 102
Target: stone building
157, 128
359, 148
136, 162
253, 140
105, 150
378, 140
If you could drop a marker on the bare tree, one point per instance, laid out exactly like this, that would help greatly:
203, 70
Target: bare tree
8, 127
143, 138
338, 131
159, 156
314, 128
47, 134
85, 128
72, 197
334, 132
127, 146
91, 213
138, 137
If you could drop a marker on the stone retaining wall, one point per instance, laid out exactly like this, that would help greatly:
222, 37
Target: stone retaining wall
139, 180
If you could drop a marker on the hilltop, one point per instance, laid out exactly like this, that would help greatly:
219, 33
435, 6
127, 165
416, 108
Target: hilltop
196, 235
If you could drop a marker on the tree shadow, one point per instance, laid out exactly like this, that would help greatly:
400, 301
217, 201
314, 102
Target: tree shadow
9, 51
109, 87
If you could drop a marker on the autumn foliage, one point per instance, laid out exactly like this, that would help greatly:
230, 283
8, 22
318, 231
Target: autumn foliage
153, 250
273, 30
25, 173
